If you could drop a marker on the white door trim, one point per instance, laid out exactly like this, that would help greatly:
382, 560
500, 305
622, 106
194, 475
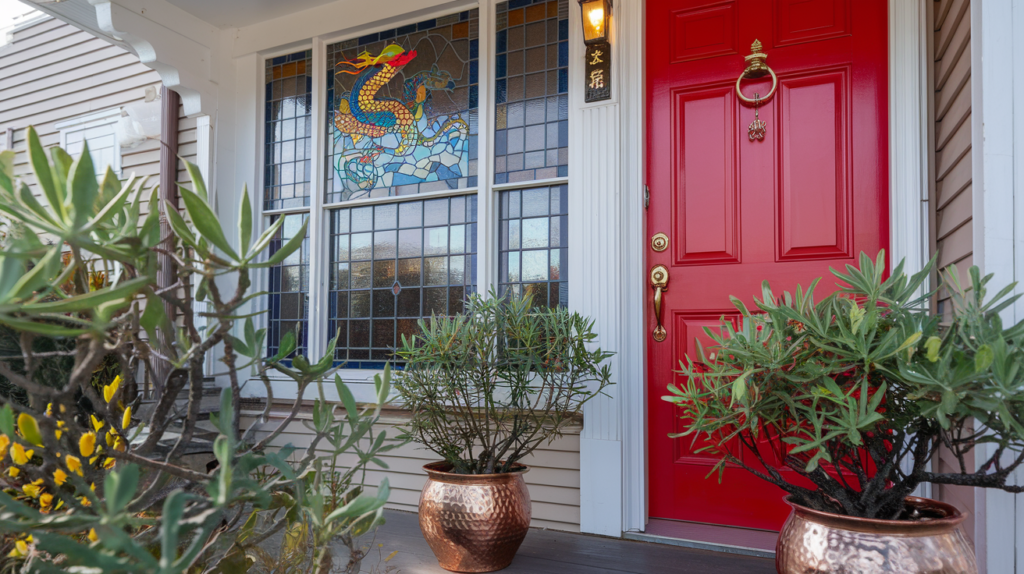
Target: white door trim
908, 169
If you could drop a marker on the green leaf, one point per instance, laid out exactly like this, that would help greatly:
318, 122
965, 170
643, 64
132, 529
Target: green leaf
286, 347
153, 316
347, 399
206, 223
288, 248
82, 188
119, 488
739, 387
39, 276
7, 420
174, 508
244, 223
41, 167
856, 316
983, 358
931, 346
226, 412
197, 180
90, 300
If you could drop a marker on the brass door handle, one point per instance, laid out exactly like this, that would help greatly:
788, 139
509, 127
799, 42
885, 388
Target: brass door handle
659, 282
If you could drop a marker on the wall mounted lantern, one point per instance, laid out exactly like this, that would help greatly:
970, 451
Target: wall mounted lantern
596, 15
595, 20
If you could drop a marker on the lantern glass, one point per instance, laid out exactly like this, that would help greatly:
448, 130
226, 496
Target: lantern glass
595, 20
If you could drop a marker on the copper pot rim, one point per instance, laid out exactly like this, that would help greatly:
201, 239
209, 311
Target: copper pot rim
441, 472
947, 523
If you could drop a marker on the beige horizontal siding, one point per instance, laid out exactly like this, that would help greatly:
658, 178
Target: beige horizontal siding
52, 72
553, 480
952, 193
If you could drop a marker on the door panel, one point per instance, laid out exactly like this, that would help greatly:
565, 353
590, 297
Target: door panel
812, 194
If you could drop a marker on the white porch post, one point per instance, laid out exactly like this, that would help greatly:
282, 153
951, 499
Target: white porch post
997, 29
606, 270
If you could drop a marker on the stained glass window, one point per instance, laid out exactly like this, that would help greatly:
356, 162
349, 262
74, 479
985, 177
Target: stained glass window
402, 110
288, 131
533, 254
531, 124
393, 264
288, 288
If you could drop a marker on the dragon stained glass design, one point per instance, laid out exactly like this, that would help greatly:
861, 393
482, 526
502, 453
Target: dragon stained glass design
402, 110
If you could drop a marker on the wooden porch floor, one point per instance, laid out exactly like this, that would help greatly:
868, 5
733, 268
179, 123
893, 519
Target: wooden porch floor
550, 552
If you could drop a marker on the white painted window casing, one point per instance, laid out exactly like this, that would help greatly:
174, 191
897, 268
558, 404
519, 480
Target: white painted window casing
98, 129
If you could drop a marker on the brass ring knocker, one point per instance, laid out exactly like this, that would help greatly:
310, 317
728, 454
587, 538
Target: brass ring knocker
756, 68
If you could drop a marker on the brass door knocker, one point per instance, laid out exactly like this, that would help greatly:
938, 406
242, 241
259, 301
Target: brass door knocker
756, 68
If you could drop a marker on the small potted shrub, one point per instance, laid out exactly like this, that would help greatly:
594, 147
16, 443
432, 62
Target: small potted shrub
855, 394
486, 388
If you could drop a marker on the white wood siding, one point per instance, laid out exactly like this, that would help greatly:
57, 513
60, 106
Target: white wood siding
553, 480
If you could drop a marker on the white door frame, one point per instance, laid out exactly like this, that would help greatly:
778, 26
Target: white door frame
908, 151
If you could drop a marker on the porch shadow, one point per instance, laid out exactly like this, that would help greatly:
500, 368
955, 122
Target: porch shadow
551, 552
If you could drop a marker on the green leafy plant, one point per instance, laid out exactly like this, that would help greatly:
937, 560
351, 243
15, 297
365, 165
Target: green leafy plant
488, 386
857, 392
94, 472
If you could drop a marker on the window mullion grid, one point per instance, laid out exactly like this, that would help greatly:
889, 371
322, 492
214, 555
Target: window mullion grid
487, 212
318, 233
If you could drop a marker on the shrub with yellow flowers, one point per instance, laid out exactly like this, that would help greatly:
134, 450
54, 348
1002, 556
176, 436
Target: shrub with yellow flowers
92, 471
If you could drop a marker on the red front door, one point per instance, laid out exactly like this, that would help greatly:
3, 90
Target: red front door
812, 194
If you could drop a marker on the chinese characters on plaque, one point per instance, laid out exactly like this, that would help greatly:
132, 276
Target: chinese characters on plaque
598, 73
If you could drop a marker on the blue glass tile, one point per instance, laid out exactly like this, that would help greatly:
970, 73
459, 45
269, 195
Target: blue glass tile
472, 147
474, 49
266, 114
369, 38
500, 91
471, 181
563, 171
500, 147
407, 29
269, 90
563, 81
501, 41
474, 92
388, 34
563, 29
500, 69
501, 178
279, 60
563, 54
474, 74
463, 16
563, 133
309, 83
513, 4
426, 25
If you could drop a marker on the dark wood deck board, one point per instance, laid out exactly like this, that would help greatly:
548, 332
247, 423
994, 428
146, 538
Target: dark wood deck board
551, 552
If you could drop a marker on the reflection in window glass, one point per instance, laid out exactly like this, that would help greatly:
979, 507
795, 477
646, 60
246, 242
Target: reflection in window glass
288, 288
402, 110
531, 133
533, 249
393, 264
288, 131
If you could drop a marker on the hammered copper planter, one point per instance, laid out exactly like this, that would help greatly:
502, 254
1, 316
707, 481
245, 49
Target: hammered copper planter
813, 542
474, 522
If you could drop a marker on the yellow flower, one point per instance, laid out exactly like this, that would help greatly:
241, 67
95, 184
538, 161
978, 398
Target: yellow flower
74, 464
29, 429
49, 409
20, 550
87, 444
19, 455
119, 444
45, 502
4, 443
109, 463
33, 490
92, 535
59, 476
13, 472
110, 437
126, 419
96, 423
109, 390
84, 501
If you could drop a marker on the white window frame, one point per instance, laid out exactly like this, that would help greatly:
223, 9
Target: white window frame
94, 120
486, 191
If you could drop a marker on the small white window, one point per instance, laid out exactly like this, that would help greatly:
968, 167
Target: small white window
99, 130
